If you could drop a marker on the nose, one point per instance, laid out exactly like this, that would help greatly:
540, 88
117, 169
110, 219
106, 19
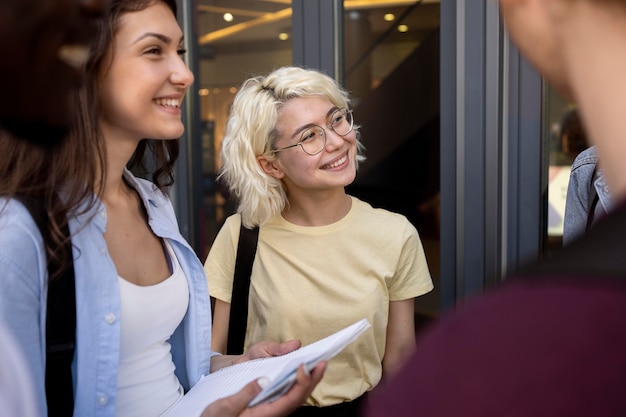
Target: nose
94, 7
181, 74
333, 140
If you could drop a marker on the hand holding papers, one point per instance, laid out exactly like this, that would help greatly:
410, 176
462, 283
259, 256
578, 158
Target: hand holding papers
279, 373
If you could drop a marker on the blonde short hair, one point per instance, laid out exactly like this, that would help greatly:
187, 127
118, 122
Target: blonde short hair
251, 131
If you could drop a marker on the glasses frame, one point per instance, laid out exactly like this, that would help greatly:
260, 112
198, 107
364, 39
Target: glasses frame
330, 126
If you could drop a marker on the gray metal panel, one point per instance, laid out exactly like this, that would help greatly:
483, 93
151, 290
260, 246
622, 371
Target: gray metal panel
317, 27
297, 31
187, 191
511, 101
448, 65
472, 172
495, 148
491, 169
531, 169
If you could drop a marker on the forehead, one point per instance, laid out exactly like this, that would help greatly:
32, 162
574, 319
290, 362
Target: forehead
157, 18
303, 110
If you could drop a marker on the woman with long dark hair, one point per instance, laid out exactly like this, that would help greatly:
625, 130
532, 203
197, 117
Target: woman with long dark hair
143, 318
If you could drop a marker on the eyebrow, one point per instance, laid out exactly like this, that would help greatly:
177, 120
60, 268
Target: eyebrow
159, 36
309, 125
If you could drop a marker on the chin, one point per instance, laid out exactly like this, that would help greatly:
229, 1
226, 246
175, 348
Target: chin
170, 134
562, 86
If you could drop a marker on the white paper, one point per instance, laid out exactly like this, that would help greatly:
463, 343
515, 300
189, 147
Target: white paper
280, 372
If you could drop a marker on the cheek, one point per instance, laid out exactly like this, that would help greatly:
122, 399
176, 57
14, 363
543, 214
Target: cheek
299, 166
351, 139
122, 93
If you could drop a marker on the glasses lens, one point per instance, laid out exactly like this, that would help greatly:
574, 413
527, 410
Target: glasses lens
342, 122
313, 140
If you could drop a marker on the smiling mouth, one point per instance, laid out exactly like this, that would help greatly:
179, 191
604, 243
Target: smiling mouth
336, 163
168, 102
74, 55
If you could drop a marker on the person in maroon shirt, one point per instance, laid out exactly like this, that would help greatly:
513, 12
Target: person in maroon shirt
551, 340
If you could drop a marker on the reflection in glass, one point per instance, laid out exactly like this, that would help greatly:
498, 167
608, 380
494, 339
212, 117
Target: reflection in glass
237, 39
564, 139
391, 57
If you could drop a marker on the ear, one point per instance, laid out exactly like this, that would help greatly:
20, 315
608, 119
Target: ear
270, 167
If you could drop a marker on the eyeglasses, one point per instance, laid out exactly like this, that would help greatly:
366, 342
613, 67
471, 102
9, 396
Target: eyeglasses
313, 140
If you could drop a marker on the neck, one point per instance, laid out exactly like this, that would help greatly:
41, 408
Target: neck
317, 210
118, 154
595, 50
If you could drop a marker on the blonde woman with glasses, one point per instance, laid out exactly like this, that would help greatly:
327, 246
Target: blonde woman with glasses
324, 259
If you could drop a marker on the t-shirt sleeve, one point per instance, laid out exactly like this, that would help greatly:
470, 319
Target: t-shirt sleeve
412, 277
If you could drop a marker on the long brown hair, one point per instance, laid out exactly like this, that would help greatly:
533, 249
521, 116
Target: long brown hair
76, 167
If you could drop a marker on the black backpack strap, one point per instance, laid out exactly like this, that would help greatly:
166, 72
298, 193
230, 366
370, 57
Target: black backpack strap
238, 322
60, 319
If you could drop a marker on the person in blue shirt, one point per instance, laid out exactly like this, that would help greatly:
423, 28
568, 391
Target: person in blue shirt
588, 197
143, 330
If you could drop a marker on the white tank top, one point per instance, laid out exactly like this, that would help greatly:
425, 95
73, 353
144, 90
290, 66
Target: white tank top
146, 383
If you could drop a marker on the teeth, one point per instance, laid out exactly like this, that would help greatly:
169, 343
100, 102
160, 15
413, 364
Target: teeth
336, 163
74, 55
170, 102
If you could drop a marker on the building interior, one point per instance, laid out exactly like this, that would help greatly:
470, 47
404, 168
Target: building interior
399, 60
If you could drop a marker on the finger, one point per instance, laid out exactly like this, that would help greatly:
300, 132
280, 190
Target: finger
235, 404
296, 396
318, 372
306, 382
283, 348
310, 379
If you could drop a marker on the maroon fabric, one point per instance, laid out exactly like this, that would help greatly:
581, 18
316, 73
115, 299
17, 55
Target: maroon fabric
549, 342
533, 347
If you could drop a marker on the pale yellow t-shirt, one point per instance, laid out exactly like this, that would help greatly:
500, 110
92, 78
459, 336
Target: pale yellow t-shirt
309, 282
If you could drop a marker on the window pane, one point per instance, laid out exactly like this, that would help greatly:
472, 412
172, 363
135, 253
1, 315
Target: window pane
392, 72
564, 139
238, 39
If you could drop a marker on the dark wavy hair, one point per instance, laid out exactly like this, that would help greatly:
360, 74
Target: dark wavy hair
573, 136
77, 165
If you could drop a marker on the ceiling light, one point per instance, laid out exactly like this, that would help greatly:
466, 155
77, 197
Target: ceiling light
403, 28
203, 92
228, 17
389, 17
354, 15
283, 36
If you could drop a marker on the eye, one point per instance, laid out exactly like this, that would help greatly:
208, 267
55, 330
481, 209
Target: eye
309, 135
181, 52
338, 118
154, 51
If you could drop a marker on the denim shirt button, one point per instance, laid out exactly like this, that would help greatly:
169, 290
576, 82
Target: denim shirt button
102, 399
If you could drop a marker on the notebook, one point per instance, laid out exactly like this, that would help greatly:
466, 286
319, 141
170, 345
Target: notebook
279, 373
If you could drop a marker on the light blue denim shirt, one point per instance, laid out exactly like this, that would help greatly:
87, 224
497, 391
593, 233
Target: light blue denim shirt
579, 196
23, 296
